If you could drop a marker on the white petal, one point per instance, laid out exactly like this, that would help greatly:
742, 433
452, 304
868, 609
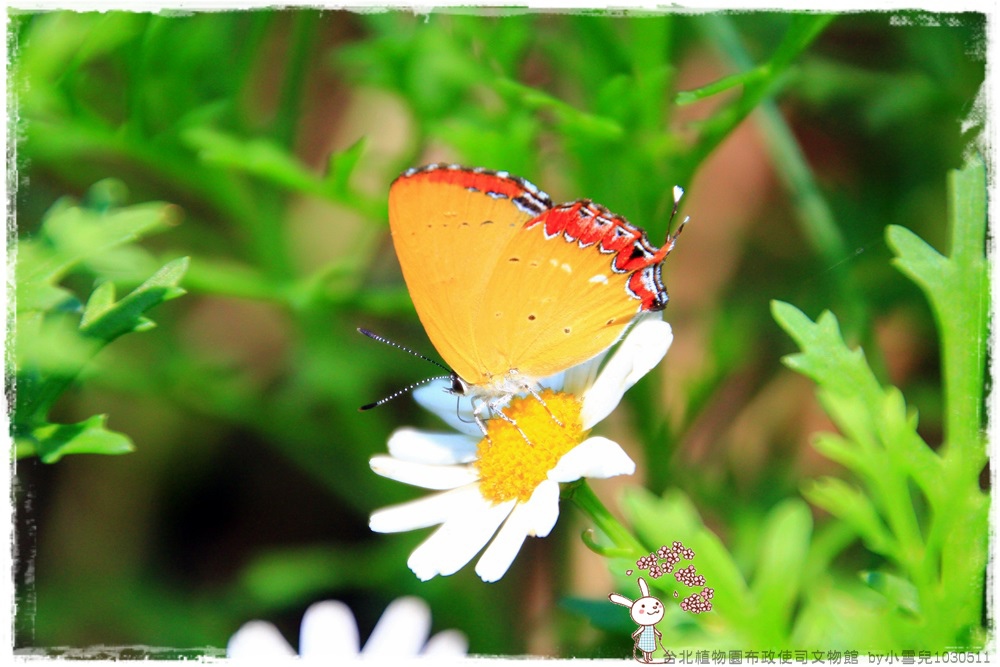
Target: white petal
641, 350
455, 412
581, 377
428, 511
402, 630
426, 476
409, 444
594, 457
328, 631
460, 538
256, 640
534, 517
446, 644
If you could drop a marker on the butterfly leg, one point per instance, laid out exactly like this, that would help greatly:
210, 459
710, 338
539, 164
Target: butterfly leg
494, 408
538, 397
480, 421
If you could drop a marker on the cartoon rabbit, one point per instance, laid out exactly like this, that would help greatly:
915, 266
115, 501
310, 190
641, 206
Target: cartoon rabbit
647, 611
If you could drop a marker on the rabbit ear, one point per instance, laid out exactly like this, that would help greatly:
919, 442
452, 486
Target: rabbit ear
620, 599
643, 587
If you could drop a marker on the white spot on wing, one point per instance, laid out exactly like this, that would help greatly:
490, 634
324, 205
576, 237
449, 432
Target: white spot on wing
599, 278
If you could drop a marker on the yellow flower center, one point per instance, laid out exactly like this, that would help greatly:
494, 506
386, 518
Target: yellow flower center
508, 466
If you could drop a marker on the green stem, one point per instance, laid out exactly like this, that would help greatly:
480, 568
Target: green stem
963, 329
584, 497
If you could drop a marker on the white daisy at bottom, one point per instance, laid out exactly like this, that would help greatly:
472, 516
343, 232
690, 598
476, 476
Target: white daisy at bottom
329, 633
501, 488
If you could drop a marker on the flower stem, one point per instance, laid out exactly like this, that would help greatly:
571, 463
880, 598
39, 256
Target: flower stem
584, 497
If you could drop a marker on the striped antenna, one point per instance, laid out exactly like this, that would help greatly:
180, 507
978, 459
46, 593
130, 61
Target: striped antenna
382, 339
678, 193
402, 391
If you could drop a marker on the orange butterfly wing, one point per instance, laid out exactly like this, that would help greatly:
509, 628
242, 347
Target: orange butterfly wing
562, 290
449, 226
503, 280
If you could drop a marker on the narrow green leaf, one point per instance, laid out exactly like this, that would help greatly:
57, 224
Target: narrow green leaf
232, 279
804, 29
341, 167
957, 288
856, 509
101, 299
71, 234
897, 590
906, 449
49, 345
40, 296
781, 563
825, 357
127, 315
841, 450
918, 260
570, 118
261, 157
53, 441
143, 324
721, 85
853, 417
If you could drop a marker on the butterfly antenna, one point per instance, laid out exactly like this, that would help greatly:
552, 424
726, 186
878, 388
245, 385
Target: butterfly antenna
678, 193
382, 339
402, 391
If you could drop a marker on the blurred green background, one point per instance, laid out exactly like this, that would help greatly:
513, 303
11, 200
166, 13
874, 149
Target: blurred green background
260, 145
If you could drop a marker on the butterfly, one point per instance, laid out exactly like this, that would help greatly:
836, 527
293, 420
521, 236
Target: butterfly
512, 288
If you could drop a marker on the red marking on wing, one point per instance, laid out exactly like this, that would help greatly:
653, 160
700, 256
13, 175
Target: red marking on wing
499, 185
588, 224
484, 182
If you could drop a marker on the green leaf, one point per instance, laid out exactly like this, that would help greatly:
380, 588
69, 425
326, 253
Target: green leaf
781, 562
919, 261
341, 167
855, 508
569, 118
108, 321
906, 449
271, 162
940, 552
825, 357
36, 294
721, 85
853, 417
39, 296
52, 350
804, 29
101, 300
957, 288
53, 441
71, 235
49, 345
841, 450
260, 157
898, 591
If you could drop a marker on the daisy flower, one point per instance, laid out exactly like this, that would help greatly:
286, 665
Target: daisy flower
501, 488
329, 633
